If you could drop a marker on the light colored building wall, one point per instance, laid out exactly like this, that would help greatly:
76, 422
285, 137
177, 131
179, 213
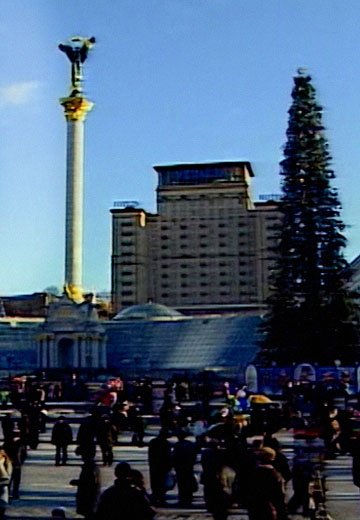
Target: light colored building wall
208, 244
129, 258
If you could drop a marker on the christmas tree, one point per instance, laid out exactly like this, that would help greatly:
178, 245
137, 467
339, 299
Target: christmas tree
311, 316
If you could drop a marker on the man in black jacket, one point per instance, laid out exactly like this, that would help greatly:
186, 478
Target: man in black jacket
61, 437
160, 463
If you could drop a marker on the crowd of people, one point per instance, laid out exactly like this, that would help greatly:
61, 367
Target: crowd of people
199, 448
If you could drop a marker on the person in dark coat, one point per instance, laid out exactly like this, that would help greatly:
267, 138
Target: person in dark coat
58, 513
217, 500
137, 482
355, 452
8, 426
86, 439
34, 425
302, 475
242, 458
88, 489
280, 463
267, 500
105, 439
23, 426
160, 463
167, 416
184, 459
136, 424
16, 451
61, 437
123, 500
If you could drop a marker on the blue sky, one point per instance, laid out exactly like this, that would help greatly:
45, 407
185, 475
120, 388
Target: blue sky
172, 81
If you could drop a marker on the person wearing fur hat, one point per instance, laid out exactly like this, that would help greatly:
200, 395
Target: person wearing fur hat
267, 500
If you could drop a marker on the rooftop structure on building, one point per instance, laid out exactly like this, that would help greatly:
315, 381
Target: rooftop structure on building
26, 305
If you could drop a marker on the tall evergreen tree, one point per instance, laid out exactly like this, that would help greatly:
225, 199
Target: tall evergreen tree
311, 316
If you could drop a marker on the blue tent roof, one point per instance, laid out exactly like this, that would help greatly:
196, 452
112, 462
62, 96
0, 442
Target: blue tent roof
227, 343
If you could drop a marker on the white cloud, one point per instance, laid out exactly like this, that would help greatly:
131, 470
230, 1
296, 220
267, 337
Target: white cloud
18, 93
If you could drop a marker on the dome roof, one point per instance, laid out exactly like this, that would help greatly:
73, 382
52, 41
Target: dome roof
149, 311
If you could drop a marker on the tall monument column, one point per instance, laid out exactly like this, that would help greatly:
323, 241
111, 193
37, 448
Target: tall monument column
76, 107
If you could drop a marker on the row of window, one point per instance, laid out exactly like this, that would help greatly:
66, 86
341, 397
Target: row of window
202, 264
185, 266
202, 226
127, 292
165, 256
183, 276
202, 245
184, 295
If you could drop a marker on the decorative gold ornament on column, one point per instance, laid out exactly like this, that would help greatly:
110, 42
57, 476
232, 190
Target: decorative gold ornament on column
76, 108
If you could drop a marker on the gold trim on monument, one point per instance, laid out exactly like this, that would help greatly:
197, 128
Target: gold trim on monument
76, 108
74, 292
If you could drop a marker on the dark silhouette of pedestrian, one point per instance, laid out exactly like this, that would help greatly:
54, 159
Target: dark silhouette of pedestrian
137, 482
8, 426
23, 426
88, 489
280, 463
61, 437
160, 463
58, 513
243, 460
124, 500
267, 499
184, 459
217, 498
34, 425
136, 423
16, 451
86, 439
167, 415
105, 439
355, 452
302, 475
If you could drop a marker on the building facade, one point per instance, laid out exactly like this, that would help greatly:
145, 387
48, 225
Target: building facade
71, 337
208, 244
148, 340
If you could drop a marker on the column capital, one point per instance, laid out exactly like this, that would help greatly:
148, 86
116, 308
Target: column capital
76, 107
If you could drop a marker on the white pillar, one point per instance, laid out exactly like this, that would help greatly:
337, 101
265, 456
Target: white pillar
74, 203
76, 109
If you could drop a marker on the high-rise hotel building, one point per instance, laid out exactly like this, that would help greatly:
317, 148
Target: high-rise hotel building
209, 245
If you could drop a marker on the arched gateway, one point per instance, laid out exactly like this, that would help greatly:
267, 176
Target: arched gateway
71, 337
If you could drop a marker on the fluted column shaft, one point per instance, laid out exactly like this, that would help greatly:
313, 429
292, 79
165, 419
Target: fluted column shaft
75, 109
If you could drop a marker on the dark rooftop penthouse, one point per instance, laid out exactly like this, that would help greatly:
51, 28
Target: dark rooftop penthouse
203, 173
